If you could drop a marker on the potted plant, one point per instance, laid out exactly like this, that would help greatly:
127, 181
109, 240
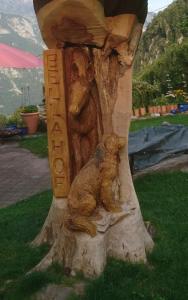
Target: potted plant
136, 109
150, 109
22, 127
181, 96
155, 107
142, 111
11, 122
3, 121
171, 100
163, 106
30, 116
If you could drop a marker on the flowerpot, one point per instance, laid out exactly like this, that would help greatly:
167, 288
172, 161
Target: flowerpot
31, 120
137, 112
163, 109
159, 110
175, 106
142, 111
151, 110
172, 107
168, 108
155, 109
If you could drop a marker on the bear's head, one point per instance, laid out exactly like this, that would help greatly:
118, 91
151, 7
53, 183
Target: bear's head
113, 143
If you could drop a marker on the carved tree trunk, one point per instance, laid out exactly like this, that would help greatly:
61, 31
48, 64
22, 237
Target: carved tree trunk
97, 215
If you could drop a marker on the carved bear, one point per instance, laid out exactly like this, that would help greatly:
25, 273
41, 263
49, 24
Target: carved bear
83, 109
92, 187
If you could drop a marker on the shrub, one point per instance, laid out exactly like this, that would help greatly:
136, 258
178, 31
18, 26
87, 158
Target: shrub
30, 109
144, 93
3, 121
15, 118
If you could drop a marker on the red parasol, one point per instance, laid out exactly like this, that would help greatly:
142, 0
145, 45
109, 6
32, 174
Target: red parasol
15, 58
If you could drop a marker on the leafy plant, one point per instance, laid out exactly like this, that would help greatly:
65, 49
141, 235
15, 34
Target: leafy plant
144, 93
3, 121
160, 101
21, 124
30, 109
181, 95
172, 63
15, 118
163, 101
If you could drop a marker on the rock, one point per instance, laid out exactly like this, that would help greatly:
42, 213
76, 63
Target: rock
166, 123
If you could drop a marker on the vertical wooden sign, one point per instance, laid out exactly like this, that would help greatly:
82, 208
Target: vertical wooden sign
57, 122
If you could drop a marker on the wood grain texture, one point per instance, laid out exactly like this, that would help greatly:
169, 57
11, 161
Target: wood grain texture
57, 122
83, 106
72, 21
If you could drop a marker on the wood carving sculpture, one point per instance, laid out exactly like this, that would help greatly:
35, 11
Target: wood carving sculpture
95, 212
96, 179
82, 102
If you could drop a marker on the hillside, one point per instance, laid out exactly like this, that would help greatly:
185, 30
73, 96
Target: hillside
162, 57
167, 28
23, 33
21, 7
149, 18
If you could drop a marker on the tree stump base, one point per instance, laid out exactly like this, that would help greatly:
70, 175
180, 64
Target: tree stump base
119, 235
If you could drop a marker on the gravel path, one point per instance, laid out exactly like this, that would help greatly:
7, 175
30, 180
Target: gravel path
22, 174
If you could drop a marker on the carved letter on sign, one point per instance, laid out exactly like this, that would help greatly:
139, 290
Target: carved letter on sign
57, 124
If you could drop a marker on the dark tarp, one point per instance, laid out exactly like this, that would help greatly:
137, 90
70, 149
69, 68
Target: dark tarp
152, 145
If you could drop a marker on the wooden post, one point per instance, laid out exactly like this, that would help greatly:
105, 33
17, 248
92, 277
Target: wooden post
57, 122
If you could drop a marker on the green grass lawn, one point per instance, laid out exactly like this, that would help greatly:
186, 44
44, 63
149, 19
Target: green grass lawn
19, 225
143, 123
164, 201
37, 145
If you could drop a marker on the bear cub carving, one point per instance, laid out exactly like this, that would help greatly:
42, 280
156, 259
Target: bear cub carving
92, 187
